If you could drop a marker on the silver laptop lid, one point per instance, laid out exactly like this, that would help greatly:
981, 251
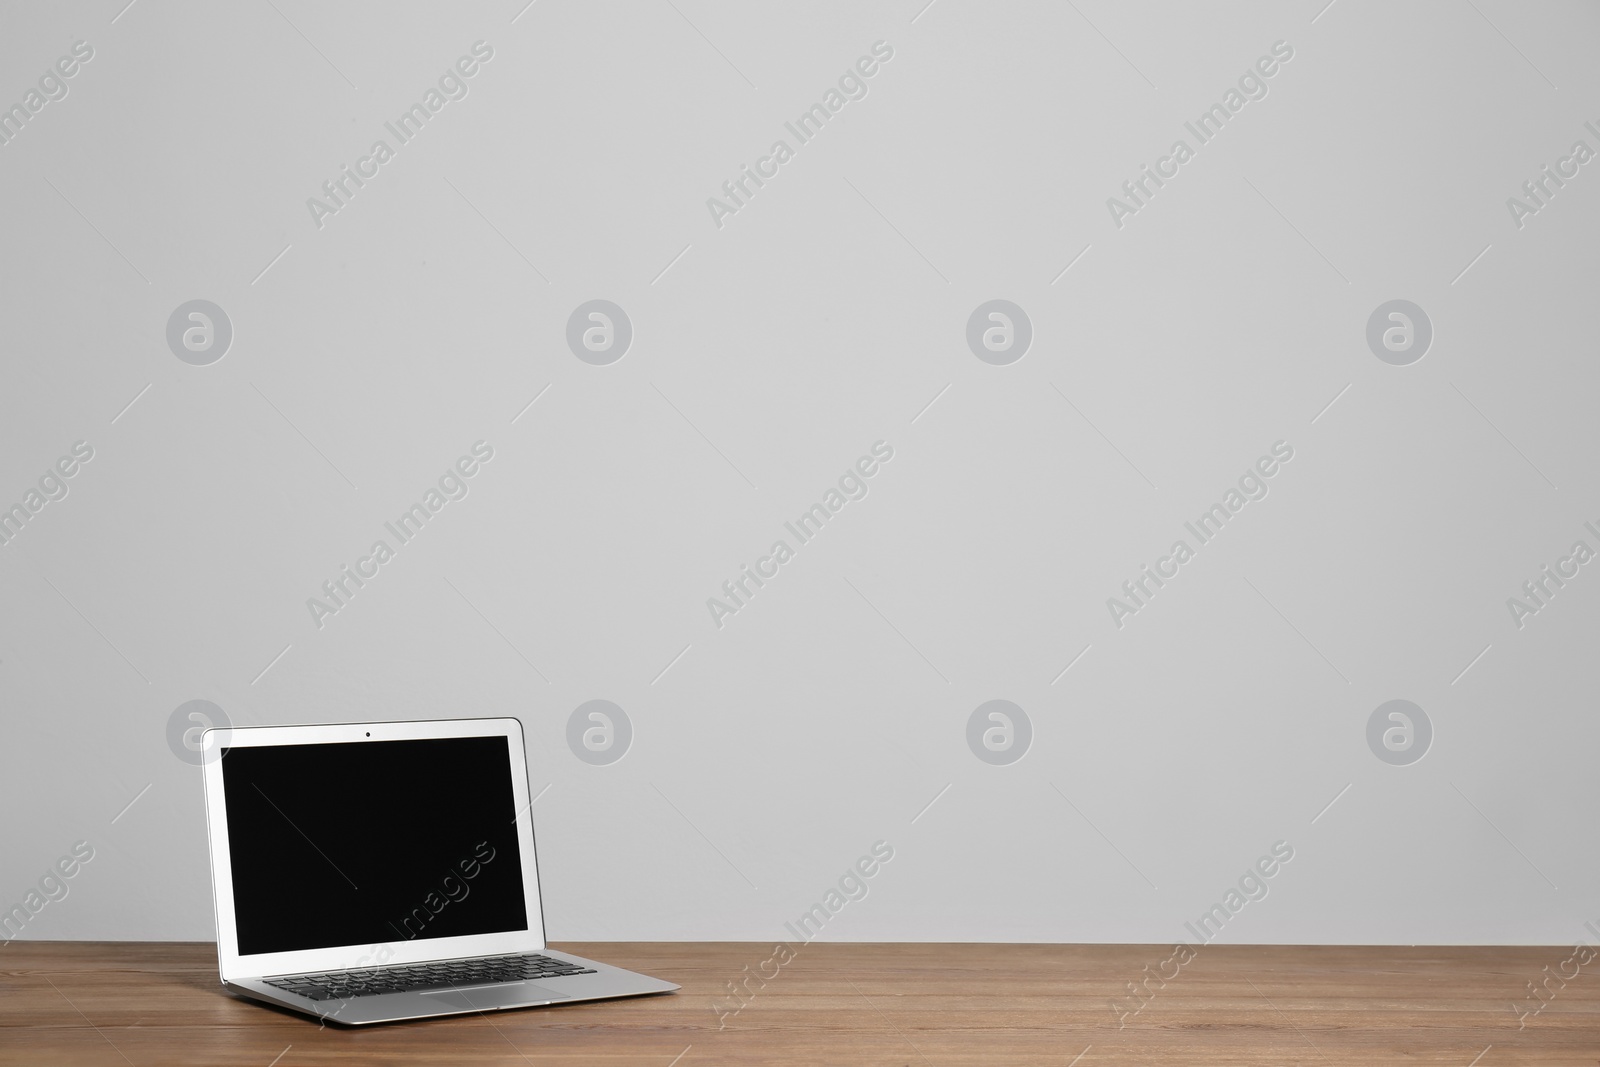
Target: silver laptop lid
366, 844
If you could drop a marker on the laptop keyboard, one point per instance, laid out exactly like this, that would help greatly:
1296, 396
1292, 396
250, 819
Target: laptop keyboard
342, 985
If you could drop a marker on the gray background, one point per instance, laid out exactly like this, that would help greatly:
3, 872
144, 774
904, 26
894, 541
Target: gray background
768, 755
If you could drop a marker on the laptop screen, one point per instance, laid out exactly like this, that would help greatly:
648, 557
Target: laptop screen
373, 842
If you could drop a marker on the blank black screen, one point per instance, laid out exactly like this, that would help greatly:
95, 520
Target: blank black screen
372, 842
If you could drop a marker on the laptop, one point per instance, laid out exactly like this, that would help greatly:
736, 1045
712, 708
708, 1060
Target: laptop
374, 872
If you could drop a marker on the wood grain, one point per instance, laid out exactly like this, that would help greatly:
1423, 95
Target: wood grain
88, 1003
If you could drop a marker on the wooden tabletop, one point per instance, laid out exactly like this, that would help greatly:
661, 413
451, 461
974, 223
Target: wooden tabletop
88, 1003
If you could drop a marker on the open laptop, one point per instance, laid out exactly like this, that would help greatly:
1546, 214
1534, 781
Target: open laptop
374, 872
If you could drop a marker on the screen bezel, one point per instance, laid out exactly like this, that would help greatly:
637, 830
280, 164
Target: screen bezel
233, 965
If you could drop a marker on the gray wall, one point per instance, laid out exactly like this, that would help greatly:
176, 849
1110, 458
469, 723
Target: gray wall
1174, 343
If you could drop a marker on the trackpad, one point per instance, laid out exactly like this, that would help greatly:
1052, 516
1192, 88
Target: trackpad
485, 998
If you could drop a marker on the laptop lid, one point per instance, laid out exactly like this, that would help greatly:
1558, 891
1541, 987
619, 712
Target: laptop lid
366, 844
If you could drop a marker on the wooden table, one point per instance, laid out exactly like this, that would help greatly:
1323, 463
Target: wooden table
88, 1003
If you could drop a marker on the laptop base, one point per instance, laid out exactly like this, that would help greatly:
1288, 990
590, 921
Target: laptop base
606, 983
